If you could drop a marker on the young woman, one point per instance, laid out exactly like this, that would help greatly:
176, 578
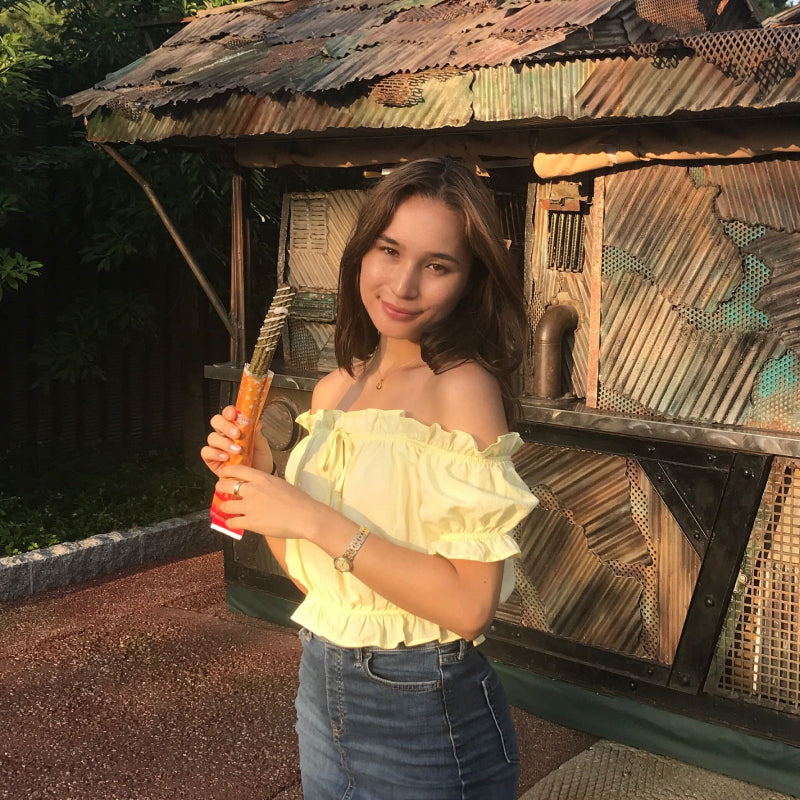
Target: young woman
396, 512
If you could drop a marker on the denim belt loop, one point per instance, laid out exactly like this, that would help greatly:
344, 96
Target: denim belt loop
464, 647
359, 655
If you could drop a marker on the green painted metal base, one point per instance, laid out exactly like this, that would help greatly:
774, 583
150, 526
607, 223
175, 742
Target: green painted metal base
721, 749
766, 763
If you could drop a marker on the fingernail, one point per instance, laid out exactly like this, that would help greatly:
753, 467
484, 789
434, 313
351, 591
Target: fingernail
223, 456
234, 432
236, 448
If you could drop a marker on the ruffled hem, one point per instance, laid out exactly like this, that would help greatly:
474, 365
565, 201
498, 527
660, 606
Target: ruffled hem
469, 548
348, 627
395, 423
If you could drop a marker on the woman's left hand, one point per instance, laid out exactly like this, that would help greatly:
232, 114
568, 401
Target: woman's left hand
267, 504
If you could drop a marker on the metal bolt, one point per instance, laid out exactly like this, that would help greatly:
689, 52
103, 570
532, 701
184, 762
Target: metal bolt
748, 473
685, 680
710, 457
710, 601
651, 671
633, 686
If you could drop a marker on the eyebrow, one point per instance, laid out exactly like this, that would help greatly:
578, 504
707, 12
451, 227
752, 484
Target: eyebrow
439, 256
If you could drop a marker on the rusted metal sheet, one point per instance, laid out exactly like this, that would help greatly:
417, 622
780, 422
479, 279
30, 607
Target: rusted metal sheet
780, 298
557, 14
301, 48
594, 492
582, 597
652, 356
640, 87
678, 566
683, 16
443, 101
578, 286
319, 226
759, 193
541, 91
660, 218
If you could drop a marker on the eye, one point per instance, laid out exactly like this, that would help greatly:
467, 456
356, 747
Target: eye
440, 268
390, 251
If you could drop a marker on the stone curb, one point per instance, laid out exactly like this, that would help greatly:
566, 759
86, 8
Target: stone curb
73, 562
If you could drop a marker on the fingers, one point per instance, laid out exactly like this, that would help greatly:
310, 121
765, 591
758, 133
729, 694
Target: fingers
239, 472
226, 427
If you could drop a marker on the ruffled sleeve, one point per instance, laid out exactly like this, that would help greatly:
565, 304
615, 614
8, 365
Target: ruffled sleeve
472, 503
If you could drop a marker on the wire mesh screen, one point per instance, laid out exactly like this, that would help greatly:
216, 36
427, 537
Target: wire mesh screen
758, 653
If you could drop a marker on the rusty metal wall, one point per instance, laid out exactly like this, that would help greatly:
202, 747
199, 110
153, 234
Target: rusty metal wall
699, 318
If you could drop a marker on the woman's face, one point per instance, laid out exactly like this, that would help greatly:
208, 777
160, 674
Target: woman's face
416, 270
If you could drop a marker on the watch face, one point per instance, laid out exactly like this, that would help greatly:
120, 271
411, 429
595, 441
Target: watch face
343, 564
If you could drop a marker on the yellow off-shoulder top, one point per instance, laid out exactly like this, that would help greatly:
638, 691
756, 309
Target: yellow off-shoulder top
414, 484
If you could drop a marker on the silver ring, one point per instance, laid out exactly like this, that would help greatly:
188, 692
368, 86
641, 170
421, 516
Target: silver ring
236, 487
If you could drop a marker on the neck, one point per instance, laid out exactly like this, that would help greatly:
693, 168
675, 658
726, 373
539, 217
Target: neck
394, 357
394, 352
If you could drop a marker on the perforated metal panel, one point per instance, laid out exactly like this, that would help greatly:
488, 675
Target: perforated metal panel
758, 653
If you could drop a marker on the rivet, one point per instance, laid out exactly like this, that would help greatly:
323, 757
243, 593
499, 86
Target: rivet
710, 601
748, 473
710, 457
685, 680
633, 686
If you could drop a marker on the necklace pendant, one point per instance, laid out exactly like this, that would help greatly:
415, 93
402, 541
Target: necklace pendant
379, 384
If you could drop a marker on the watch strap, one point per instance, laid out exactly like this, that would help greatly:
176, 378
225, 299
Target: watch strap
344, 563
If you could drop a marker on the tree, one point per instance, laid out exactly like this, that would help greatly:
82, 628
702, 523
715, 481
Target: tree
770, 7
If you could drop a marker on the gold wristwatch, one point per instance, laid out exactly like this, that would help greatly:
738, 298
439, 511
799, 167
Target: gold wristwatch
344, 562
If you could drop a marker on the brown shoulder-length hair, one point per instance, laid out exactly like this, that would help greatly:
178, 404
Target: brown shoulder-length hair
489, 323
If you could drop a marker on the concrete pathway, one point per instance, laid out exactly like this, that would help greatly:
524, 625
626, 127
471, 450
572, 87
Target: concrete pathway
142, 685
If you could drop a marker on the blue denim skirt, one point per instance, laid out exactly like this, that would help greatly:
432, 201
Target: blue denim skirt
413, 723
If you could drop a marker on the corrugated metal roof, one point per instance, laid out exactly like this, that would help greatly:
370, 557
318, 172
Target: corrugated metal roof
780, 298
640, 87
521, 56
668, 225
764, 192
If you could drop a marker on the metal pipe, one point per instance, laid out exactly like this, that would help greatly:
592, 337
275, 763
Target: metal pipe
547, 348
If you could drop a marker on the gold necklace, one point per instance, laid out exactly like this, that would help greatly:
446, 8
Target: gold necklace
381, 377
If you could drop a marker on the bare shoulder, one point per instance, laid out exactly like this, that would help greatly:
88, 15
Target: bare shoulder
468, 398
330, 389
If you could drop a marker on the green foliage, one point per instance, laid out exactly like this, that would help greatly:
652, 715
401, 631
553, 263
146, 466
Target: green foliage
770, 7
15, 269
97, 323
70, 499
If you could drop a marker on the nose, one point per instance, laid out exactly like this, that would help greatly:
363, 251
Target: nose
406, 280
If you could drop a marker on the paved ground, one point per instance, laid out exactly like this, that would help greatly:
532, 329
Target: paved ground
143, 686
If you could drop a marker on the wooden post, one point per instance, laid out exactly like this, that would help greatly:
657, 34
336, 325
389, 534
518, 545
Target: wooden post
240, 252
594, 259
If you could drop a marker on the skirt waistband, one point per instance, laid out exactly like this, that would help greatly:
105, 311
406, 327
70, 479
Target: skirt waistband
459, 646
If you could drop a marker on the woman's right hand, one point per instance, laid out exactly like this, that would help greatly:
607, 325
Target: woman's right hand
222, 443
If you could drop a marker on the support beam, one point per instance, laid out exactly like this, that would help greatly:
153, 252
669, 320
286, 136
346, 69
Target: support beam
240, 257
177, 238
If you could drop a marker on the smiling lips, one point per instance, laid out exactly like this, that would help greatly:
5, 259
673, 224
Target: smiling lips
397, 313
